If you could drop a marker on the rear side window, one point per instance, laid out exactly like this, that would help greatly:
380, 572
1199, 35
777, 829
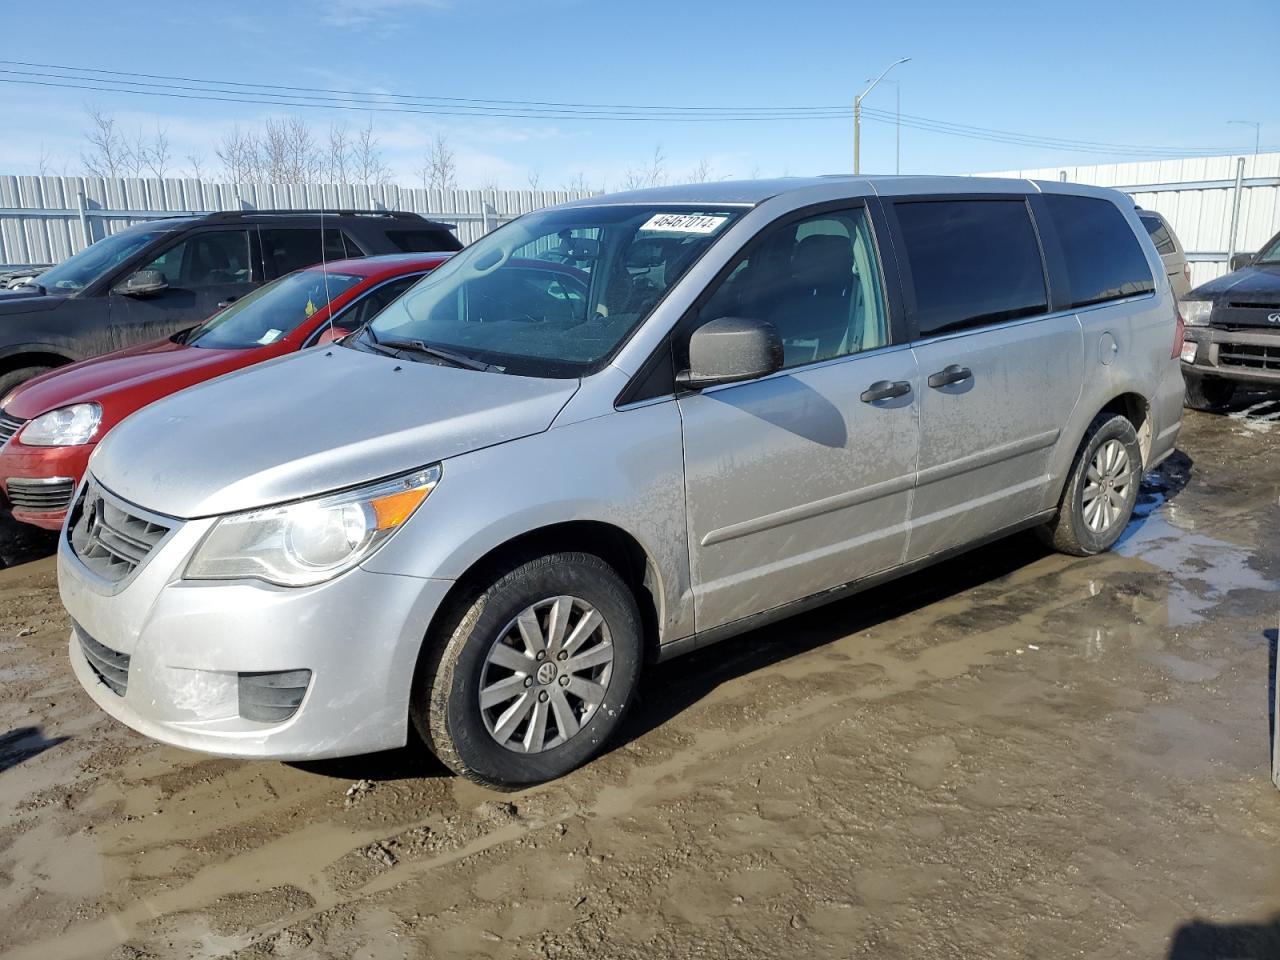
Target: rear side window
973, 262
1160, 235
291, 248
1103, 257
423, 241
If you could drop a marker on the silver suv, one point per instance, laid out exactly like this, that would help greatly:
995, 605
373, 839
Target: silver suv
611, 432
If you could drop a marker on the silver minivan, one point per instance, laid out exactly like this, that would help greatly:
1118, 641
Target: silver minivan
608, 433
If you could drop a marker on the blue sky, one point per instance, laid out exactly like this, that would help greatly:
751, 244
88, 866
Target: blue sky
1149, 75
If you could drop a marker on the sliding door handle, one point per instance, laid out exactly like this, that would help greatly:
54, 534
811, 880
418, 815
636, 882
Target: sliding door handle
885, 390
949, 375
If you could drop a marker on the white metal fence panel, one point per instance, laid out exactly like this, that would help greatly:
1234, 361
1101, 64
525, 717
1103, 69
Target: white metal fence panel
1197, 196
46, 219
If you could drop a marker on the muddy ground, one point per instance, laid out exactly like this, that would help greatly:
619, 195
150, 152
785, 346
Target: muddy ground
1016, 754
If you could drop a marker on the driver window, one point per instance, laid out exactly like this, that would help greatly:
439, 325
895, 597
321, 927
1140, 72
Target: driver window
817, 280
206, 260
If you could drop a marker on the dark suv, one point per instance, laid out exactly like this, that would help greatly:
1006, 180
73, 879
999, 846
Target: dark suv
154, 279
1233, 330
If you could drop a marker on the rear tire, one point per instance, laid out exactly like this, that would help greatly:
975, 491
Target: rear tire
1207, 393
527, 678
1101, 489
16, 377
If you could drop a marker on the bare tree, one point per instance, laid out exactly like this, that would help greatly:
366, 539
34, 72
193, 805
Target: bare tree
579, 183
367, 162
440, 165
241, 155
651, 174
156, 154
288, 151
107, 153
338, 156
534, 178
702, 172
44, 161
196, 163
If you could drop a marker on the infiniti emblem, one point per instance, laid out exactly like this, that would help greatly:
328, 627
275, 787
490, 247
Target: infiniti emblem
1273, 318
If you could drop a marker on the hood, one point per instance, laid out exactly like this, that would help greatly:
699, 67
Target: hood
312, 422
1258, 284
145, 372
28, 301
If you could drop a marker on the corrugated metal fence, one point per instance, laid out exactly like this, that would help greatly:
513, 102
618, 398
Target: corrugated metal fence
1201, 198
46, 219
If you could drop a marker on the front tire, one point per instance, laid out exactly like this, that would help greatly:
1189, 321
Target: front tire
1101, 489
1207, 393
532, 674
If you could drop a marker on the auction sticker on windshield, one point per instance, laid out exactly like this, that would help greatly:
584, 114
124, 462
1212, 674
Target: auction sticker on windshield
683, 223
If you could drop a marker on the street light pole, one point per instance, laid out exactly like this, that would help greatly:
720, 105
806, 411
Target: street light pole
857, 115
1257, 131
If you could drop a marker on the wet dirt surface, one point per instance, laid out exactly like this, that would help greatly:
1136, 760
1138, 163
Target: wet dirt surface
1014, 754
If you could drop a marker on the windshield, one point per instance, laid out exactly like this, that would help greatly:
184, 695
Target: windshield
271, 312
80, 270
553, 293
1271, 254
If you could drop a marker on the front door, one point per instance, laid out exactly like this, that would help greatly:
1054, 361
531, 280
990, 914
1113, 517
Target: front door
1000, 373
204, 270
801, 481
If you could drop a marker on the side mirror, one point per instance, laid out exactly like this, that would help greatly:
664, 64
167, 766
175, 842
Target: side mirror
1241, 260
731, 349
330, 334
143, 283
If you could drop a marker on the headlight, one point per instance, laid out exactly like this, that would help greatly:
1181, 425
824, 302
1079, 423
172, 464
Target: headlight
304, 543
64, 427
1197, 312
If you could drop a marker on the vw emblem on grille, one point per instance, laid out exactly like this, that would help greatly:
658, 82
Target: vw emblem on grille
1273, 318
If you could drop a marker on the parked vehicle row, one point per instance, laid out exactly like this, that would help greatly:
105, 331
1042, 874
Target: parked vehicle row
151, 280
50, 425
613, 431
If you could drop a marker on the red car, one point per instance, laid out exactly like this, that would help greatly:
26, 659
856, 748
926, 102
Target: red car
50, 425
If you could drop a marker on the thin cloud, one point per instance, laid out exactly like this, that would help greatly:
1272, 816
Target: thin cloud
360, 13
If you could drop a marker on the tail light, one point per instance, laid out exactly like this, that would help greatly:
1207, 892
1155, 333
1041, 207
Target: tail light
1186, 272
1179, 331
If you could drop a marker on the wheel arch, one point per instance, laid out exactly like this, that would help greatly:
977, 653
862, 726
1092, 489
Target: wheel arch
613, 544
1131, 405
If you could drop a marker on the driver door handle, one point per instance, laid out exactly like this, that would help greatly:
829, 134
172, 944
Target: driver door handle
885, 390
949, 375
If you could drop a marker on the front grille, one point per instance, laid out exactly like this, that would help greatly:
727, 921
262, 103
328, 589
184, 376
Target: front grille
111, 667
272, 697
1250, 356
41, 496
1243, 305
9, 426
111, 537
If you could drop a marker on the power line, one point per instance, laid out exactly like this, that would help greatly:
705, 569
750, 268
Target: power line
258, 94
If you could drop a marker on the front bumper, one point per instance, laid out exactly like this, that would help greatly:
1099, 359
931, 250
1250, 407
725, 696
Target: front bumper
1243, 355
20, 462
186, 643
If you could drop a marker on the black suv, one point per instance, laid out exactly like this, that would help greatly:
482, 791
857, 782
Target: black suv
1233, 330
154, 279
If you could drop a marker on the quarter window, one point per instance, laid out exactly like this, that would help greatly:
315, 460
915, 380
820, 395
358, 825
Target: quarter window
973, 263
1160, 235
1102, 255
817, 281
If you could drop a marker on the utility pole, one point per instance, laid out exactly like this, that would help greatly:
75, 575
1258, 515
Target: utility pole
857, 114
1257, 132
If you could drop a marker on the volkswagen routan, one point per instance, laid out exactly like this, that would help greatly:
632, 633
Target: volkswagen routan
608, 433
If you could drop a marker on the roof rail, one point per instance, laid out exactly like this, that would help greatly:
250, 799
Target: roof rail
224, 215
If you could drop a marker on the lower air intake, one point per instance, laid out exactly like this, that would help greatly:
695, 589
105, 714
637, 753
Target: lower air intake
272, 697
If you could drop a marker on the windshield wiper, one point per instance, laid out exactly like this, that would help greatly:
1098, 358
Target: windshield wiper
395, 345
